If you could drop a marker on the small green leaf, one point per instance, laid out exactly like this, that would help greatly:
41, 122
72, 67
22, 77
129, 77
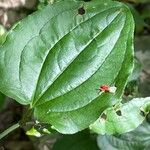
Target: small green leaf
55, 59
124, 119
139, 139
33, 132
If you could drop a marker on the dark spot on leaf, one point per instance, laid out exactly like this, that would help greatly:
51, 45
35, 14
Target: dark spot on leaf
81, 11
142, 113
126, 93
118, 112
104, 116
114, 105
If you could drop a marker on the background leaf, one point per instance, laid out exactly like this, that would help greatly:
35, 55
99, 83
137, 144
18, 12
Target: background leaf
123, 118
81, 141
135, 140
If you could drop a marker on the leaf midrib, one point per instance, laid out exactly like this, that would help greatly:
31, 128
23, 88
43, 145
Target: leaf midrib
83, 82
89, 77
75, 57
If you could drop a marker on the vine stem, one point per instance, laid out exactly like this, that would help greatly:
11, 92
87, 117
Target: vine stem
25, 118
10, 129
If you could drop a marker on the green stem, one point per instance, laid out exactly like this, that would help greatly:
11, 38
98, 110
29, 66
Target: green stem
10, 129
26, 117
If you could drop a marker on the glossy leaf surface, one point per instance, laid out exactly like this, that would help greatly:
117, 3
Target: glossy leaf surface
55, 59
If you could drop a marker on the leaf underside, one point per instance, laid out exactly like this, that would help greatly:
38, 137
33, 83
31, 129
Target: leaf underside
55, 59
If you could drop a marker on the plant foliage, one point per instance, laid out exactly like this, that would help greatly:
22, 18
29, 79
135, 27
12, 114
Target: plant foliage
54, 60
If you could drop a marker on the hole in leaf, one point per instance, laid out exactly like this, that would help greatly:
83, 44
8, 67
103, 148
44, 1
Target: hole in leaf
114, 105
142, 113
81, 11
119, 113
104, 116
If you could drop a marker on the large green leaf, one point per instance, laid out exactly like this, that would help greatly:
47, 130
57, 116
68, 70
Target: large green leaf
80, 141
123, 118
139, 139
56, 58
